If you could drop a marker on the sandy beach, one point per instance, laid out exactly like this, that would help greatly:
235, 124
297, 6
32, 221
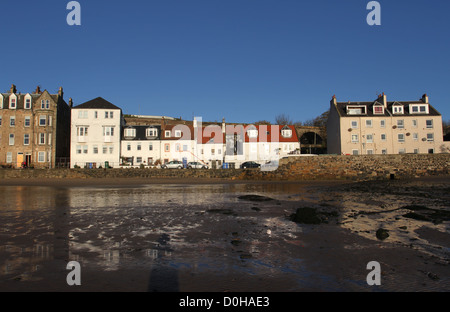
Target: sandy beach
227, 236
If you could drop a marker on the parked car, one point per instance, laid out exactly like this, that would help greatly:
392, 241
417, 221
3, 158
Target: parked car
174, 164
250, 164
196, 165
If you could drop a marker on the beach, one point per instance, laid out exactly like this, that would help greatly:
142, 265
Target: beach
215, 235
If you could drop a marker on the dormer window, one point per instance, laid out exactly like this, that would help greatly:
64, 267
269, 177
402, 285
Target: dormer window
1, 101
167, 133
356, 110
418, 108
378, 110
27, 103
151, 132
129, 133
252, 132
286, 132
178, 133
397, 109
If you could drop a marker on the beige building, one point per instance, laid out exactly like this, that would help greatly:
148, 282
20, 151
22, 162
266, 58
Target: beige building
382, 127
34, 129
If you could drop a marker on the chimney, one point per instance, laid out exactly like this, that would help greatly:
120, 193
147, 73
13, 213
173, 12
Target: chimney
223, 125
425, 98
383, 99
163, 124
13, 89
38, 90
333, 100
60, 92
70, 103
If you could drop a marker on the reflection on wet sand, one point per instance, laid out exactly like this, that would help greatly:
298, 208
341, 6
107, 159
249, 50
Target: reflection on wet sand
181, 237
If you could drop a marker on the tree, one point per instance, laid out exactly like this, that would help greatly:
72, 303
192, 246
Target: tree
283, 119
262, 122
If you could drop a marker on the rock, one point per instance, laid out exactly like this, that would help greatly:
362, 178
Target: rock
306, 215
255, 198
382, 234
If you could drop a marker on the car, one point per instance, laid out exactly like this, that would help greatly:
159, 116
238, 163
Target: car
196, 165
174, 164
250, 164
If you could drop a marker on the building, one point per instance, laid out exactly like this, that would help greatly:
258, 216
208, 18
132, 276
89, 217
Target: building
34, 129
382, 127
95, 138
141, 145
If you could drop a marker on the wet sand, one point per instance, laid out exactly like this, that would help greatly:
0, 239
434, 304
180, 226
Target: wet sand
243, 245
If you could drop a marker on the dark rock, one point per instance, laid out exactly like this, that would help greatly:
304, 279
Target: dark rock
306, 215
382, 234
255, 198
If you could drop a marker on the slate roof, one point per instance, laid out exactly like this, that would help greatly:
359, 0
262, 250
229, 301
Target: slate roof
141, 133
97, 103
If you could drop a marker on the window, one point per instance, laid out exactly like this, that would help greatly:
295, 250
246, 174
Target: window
419, 109
139, 146
111, 115
106, 114
369, 138
167, 147
9, 157
111, 149
384, 151
401, 137
397, 109
85, 149
355, 152
27, 122
0, 120
12, 103
354, 124
355, 138
429, 124
11, 139
369, 123
82, 131
177, 147
78, 149
370, 152
95, 149
12, 121
151, 132
108, 131
383, 137
382, 123
150, 146
415, 136
26, 139
286, 133
416, 151
27, 103
41, 156
47, 104
430, 150
95, 114
41, 138
414, 123
401, 151
378, 110
356, 110
105, 149
185, 148
400, 124
82, 114
130, 132
42, 120
167, 133
128, 147
178, 133
430, 137
138, 160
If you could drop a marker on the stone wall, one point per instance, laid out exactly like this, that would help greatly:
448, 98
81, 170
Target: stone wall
326, 167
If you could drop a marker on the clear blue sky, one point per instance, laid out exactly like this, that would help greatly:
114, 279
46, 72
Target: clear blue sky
245, 60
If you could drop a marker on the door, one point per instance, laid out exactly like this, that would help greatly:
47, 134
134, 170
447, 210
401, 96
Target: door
19, 160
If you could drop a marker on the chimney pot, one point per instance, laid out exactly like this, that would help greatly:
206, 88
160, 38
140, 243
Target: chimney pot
13, 89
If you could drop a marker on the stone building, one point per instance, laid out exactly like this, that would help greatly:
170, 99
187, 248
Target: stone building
382, 127
34, 129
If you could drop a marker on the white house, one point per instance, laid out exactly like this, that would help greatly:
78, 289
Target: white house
95, 134
141, 145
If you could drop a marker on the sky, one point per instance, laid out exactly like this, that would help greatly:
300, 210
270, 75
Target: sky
242, 60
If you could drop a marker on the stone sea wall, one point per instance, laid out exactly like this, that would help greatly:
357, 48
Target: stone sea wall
325, 167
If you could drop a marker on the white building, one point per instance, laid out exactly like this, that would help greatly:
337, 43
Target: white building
95, 134
141, 145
